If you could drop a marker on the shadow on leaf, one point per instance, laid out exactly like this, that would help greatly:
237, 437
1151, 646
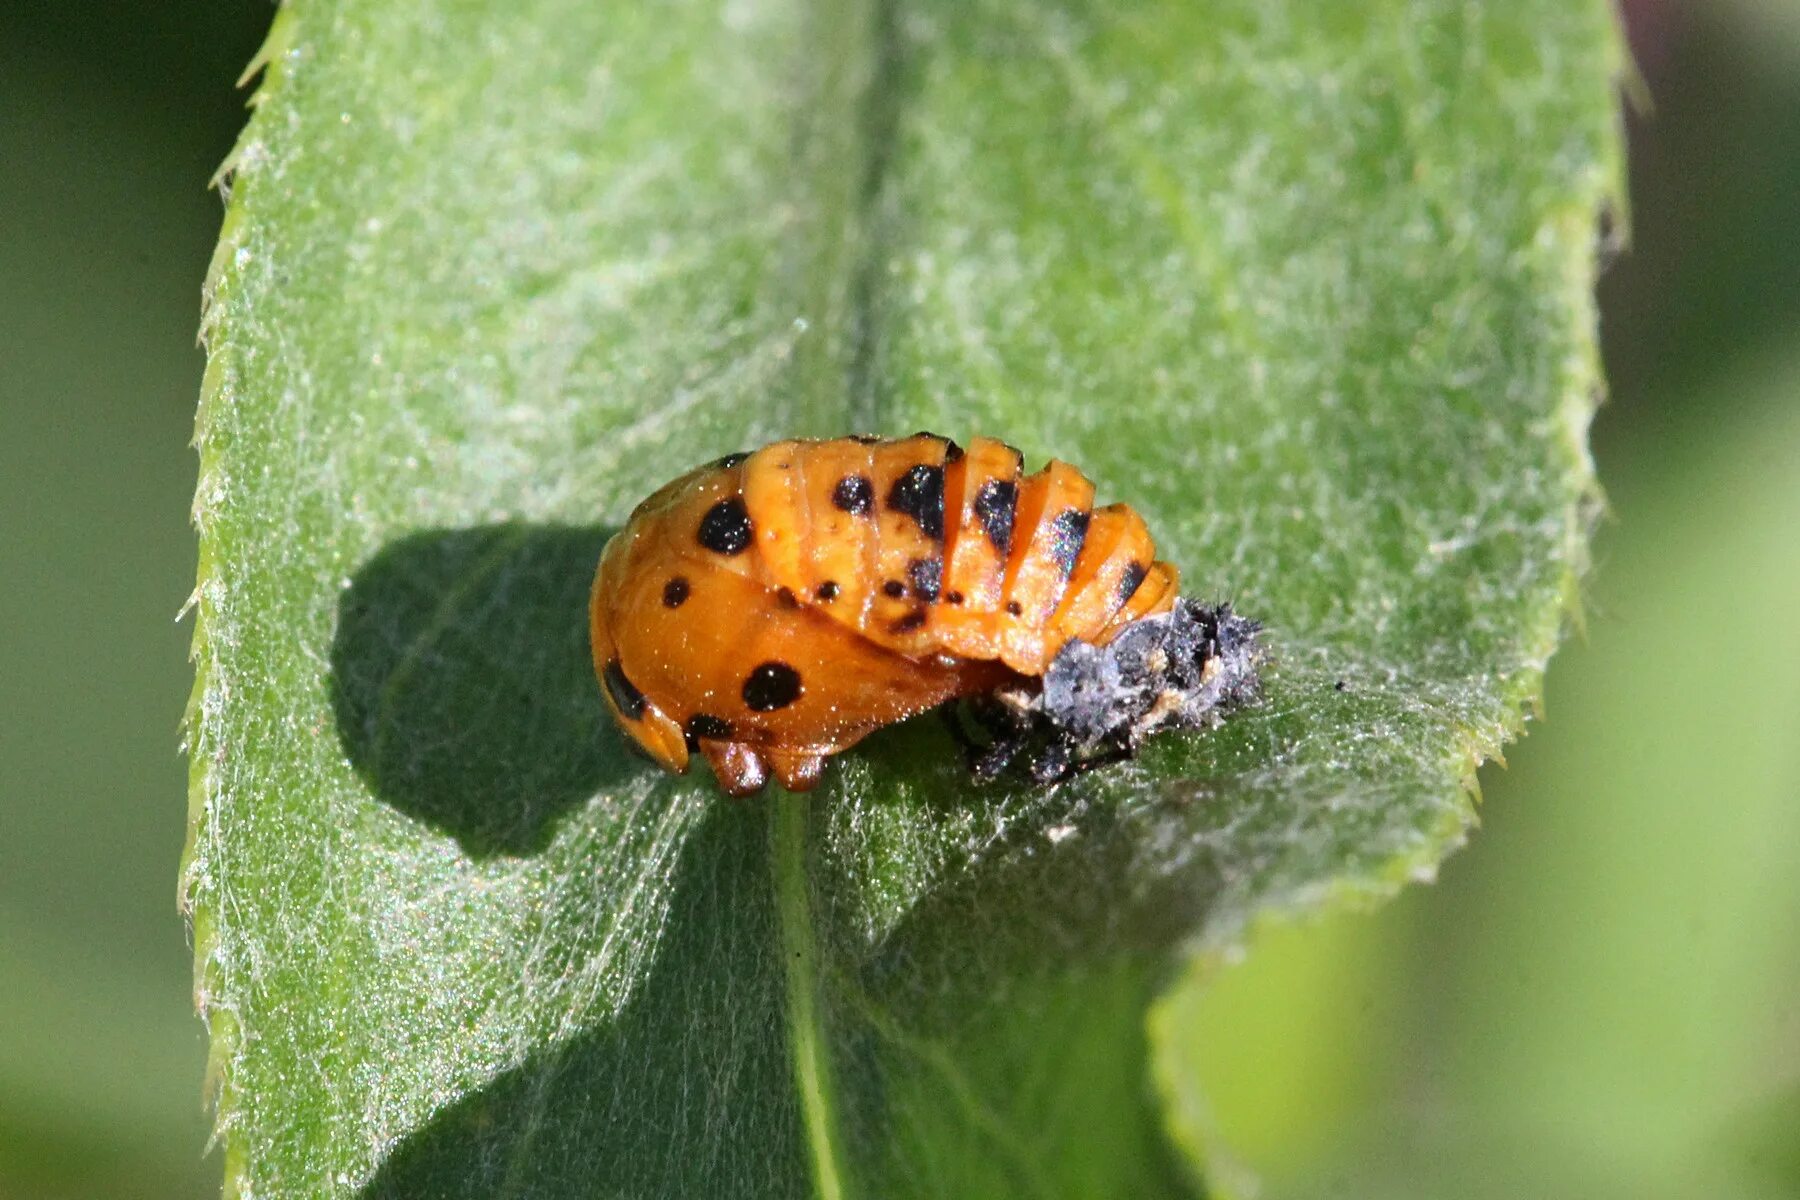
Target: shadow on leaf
462, 683
685, 1092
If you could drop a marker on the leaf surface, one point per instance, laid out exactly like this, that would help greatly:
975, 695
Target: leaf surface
1311, 288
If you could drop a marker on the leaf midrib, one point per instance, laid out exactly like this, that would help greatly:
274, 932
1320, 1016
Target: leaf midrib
844, 139
800, 964
843, 131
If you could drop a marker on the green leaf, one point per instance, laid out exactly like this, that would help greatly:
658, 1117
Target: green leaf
1599, 1000
1310, 287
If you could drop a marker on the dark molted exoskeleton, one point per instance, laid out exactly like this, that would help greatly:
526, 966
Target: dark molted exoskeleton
1096, 704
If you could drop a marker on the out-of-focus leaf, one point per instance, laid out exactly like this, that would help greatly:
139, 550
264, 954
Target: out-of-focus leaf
1310, 287
1598, 1000
107, 233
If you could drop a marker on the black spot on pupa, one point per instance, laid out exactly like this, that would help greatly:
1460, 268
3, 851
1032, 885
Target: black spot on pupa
952, 451
909, 622
927, 575
920, 495
826, 592
675, 592
953, 597
1131, 580
894, 588
705, 725
865, 439
995, 503
1014, 607
624, 693
730, 460
1067, 532
785, 597
725, 529
770, 686
854, 494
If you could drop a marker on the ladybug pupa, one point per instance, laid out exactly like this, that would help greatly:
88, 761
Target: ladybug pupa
771, 609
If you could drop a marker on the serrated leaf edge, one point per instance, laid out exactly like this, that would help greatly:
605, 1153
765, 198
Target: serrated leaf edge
201, 721
1575, 239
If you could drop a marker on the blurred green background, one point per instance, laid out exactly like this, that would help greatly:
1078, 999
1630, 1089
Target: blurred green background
1601, 997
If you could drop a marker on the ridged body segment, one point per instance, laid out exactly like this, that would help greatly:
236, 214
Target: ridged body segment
772, 609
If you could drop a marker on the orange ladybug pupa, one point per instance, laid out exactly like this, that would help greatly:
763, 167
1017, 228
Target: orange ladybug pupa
769, 610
